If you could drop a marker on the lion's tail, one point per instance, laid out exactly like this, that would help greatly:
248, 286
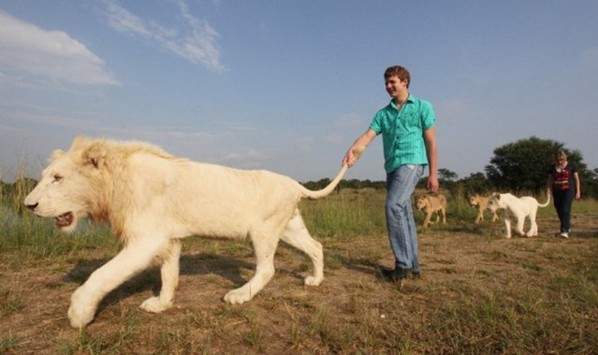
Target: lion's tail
314, 195
545, 203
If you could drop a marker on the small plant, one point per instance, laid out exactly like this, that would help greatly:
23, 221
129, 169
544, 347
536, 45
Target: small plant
8, 344
11, 301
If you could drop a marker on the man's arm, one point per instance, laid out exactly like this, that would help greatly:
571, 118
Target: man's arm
577, 185
361, 142
431, 151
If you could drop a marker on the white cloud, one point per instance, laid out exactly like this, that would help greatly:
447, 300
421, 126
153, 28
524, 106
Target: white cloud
123, 21
195, 41
26, 48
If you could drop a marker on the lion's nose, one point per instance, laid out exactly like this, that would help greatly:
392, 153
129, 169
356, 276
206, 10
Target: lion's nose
31, 206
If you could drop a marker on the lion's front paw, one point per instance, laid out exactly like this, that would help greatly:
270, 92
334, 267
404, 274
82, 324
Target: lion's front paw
80, 313
313, 281
237, 296
154, 305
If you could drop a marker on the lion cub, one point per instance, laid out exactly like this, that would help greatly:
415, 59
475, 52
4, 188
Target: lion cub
430, 204
518, 209
480, 203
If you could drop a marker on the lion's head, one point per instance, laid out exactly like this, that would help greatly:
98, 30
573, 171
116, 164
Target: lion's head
494, 202
66, 189
474, 200
421, 201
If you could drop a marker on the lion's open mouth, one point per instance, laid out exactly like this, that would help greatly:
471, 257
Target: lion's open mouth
64, 220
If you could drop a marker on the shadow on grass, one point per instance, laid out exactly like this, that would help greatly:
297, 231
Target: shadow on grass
149, 279
584, 234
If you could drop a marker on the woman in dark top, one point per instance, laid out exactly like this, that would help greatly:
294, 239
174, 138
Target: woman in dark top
563, 183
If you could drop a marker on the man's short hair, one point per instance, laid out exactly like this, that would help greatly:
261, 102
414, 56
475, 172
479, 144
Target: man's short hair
401, 72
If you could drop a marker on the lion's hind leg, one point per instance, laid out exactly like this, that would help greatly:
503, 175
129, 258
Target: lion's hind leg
297, 235
265, 240
437, 219
169, 272
533, 228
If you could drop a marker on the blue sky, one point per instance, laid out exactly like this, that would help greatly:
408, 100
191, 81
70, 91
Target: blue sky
288, 85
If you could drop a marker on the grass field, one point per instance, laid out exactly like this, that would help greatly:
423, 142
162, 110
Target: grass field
479, 293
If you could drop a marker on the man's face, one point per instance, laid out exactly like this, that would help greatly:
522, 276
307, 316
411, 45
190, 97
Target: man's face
396, 87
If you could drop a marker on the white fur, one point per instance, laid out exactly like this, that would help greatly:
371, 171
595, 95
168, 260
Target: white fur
517, 209
152, 200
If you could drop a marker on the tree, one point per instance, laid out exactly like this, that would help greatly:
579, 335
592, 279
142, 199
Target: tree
446, 175
447, 179
317, 185
589, 183
476, 183
523, 165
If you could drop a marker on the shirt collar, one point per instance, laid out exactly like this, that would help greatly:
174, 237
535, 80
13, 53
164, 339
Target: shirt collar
392, 104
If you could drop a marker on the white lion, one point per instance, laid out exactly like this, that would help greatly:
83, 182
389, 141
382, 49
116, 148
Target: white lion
152, 200
518, 209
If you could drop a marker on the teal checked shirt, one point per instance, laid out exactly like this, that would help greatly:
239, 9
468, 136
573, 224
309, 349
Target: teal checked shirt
403, 132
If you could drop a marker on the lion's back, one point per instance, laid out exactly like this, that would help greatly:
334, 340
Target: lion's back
192, 194
431, 203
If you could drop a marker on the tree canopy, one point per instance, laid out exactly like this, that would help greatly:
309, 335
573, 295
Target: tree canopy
523, 165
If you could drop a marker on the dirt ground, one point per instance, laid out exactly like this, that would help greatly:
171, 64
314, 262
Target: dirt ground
354, 310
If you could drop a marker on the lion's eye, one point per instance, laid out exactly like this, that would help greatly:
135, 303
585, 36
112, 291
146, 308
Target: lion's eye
57, 178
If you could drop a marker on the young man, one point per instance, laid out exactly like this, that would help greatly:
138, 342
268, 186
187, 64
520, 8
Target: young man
407, 125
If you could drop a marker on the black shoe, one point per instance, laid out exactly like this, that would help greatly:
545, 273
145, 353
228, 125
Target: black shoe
396, 274
416, 274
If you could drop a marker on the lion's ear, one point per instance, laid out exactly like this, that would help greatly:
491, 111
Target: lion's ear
81, 143
56, 154
95, 155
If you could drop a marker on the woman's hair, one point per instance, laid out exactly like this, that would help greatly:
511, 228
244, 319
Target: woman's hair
401, 72
560, 154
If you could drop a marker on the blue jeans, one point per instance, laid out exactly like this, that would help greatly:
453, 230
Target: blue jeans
563, 199
402, 232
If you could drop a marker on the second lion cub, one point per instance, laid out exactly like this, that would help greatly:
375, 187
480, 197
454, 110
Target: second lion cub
481, 203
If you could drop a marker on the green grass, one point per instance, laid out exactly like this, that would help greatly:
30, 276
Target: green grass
347, 213
22, 230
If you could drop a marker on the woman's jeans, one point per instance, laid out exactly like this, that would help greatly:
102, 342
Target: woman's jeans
563, 199
402, 232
